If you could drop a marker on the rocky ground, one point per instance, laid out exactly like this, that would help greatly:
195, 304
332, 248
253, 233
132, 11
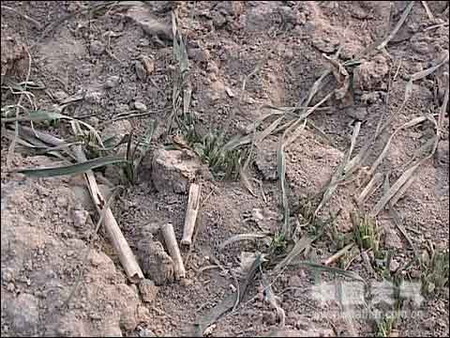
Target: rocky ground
243, 74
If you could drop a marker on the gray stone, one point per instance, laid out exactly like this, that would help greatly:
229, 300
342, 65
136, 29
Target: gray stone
128, 320
198, 54
97, 48
325, 45
140, 106
139, 68
144, 332
112, 82
266, 160
7, 275
80, 217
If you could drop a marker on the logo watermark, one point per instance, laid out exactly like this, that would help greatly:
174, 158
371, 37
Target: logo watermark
369, 315
355, 298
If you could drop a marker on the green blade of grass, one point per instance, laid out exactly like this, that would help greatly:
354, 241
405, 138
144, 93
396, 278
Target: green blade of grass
35, 116
73, 168
43, 115
237, 142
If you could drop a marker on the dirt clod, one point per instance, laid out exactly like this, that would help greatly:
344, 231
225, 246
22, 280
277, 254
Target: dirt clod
148, 290
97, 48
370, 74
149, 23
173, 170
24, 313
250, 64
156, 263
392, 239
358, 113
112, 82
80, 217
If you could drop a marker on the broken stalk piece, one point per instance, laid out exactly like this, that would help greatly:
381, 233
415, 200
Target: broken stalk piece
191, 214
174, 250
120, 244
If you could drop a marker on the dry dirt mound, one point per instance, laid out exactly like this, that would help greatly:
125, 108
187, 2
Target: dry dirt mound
45, 248
248, 73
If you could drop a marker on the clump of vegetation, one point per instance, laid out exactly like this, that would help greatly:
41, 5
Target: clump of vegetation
386, 325
225, 157
366, 232
435, 268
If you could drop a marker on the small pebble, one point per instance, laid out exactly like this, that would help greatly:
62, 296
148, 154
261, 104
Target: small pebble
229, 92
80, 217
140, 70
7, 275
186, 282
112, 82
60, 95
144, 332
149, 64
219, 20
393, 267
97, 48
140, 106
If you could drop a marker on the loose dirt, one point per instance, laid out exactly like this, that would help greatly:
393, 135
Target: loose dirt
106, 60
